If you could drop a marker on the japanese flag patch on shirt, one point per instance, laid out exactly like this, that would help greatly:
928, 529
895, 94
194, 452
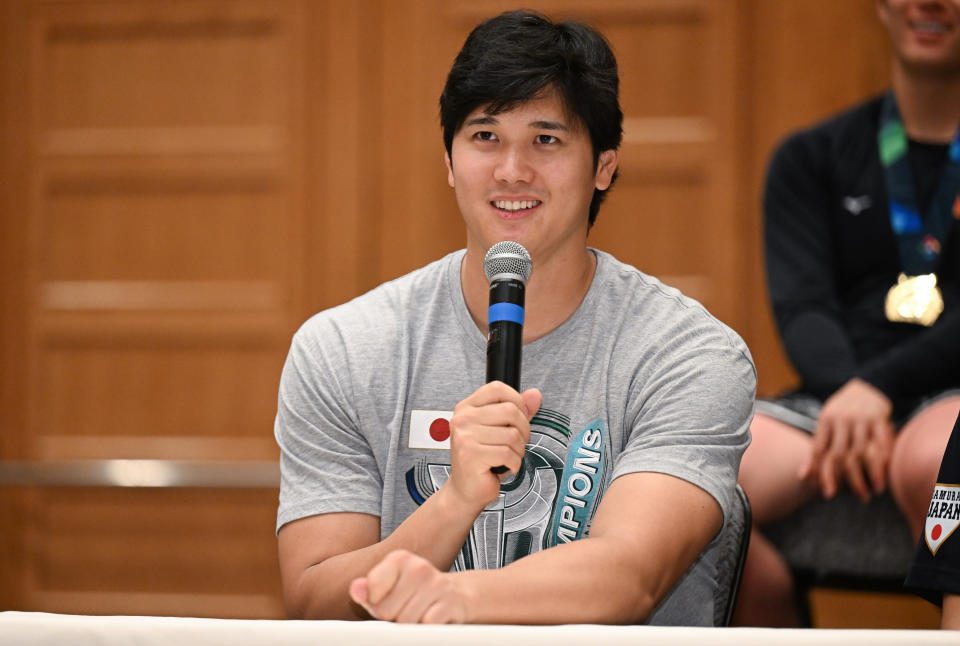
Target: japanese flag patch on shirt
943, 516
429, 429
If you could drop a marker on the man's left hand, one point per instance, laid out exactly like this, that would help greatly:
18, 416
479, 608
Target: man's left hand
407, 588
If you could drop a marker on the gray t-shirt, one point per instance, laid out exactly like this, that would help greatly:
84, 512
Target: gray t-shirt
639, 378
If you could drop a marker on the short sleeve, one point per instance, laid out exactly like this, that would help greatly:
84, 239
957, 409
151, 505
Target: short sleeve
691, 414
326, 462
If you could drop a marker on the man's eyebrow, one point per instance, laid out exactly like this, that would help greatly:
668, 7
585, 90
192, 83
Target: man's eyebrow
485, 120
549, 125
490, 120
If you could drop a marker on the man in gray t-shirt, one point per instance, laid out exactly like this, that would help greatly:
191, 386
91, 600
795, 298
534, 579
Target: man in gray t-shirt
623, 451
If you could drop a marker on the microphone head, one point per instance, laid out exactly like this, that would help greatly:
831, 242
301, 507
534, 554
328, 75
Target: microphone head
507, 260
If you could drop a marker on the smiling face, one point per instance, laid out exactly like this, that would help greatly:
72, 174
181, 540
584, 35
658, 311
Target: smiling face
528, 175
925, 33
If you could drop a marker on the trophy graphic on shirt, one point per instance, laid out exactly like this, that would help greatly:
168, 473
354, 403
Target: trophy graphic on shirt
550, 500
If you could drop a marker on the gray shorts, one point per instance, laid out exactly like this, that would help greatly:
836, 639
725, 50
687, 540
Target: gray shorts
801, 410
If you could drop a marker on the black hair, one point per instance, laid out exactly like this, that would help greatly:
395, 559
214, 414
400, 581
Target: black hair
517, 56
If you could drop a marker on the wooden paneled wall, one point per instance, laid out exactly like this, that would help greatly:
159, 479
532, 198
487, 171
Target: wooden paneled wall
184, 182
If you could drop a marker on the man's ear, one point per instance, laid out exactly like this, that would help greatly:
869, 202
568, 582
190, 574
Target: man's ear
606, 167
449, 163
883, 11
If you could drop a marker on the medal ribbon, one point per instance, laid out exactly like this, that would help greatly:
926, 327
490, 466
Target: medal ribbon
920, 240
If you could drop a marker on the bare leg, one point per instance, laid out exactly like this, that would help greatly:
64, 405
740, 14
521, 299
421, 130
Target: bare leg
766, 589
768, 473
951, 612
916, 458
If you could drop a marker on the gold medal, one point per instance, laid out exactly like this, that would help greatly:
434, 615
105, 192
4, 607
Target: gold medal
914, 299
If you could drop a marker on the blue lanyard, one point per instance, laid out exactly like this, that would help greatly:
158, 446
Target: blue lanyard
920, 240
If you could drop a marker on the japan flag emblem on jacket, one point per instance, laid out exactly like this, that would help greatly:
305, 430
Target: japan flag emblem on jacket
943, 516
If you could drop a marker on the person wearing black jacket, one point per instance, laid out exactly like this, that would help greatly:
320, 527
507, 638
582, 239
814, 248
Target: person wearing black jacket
863, 263
935, 571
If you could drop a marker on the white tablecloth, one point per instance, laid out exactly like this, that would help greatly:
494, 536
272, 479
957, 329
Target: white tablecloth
18, 628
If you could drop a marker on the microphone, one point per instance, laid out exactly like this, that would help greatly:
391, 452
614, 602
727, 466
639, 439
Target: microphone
507, 266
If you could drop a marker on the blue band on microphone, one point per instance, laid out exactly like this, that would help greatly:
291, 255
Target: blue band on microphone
505, 312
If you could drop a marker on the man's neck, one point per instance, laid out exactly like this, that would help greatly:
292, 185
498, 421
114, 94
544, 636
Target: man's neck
554, 292
929, 105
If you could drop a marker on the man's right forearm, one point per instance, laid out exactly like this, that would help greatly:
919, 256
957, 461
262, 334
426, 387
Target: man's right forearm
436, 531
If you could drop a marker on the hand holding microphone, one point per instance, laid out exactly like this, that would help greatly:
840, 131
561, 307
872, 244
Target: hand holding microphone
492, 426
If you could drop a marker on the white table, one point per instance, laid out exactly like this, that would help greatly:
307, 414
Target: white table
22, 628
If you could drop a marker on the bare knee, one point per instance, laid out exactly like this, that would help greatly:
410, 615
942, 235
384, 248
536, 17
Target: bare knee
916, 459
913, 473
769, 469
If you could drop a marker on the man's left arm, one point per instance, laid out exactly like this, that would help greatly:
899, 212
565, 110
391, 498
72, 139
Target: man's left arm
648, 530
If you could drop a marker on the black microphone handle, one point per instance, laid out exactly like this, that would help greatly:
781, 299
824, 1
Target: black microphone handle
505, 337
504, 345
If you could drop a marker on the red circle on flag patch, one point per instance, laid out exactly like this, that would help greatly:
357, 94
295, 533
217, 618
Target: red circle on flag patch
934, 533
439, 430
